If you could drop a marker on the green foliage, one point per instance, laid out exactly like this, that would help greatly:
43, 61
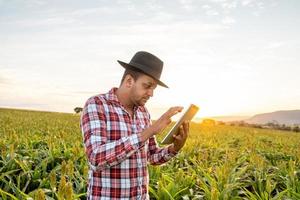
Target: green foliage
42, 157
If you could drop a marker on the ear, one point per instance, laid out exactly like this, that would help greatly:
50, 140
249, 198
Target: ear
129, 81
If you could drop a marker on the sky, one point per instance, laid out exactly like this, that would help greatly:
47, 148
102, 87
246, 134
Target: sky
229, 57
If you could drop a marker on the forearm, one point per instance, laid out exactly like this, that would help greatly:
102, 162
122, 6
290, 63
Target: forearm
109, 154
157, 155
147, 133
106, 155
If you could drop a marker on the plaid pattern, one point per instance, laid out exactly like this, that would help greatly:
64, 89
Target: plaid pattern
117, 157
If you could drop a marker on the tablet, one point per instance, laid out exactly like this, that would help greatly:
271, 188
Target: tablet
187, 116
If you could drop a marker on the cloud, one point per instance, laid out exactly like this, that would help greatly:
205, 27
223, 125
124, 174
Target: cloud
129, 5
229, 6
89, 11
275, 45
209, 10
252, 3
52, 17
187, 4
228, 20
247, 2
212, 12
206, 7
44, 22
168, 34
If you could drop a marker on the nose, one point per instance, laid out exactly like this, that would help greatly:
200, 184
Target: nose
150, 92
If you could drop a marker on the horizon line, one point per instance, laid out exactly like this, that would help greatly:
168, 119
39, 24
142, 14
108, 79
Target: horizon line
195, 118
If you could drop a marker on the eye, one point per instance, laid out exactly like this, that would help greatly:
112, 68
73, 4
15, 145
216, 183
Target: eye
147, 86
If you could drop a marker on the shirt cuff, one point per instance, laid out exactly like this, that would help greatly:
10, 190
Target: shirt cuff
171, 152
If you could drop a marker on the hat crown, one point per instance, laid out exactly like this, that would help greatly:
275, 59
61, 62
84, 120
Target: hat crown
148, 60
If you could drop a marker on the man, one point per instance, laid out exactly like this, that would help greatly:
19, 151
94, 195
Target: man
118, 135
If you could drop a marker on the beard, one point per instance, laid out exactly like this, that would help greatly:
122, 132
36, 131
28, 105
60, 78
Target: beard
139, 100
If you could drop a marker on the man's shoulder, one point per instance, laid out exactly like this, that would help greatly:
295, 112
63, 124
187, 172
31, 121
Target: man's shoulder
99, 99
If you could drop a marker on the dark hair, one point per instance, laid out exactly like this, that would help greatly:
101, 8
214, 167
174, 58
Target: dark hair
134, 73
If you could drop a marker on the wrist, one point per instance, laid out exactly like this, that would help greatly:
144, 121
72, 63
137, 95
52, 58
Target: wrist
147, 133
173, 150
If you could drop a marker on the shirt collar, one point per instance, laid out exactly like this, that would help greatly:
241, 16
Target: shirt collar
113, 98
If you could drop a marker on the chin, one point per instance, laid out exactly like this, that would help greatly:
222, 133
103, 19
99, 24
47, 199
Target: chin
141, 103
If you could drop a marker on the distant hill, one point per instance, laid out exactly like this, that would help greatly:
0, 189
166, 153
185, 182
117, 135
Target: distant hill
288, 117
229, 118
222, 118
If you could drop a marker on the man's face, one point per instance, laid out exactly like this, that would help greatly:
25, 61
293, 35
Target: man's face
142, 89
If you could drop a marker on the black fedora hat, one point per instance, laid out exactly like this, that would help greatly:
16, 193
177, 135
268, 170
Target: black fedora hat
146, 63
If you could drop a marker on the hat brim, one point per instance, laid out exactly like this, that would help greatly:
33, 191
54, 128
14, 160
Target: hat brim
127, 66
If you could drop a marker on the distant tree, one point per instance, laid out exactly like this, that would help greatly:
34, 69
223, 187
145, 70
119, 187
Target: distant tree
209, 122
285, 127
220, 123
242, 123
282, 127
256, 126
78, 110
296, 129
273, 124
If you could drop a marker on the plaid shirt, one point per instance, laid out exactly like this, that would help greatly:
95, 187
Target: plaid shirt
117, 157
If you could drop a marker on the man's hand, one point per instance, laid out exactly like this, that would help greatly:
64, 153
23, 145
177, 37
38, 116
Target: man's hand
180, 138
161, 123
165, 119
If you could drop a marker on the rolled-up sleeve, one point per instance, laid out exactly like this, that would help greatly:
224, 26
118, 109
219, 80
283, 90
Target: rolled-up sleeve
158, 155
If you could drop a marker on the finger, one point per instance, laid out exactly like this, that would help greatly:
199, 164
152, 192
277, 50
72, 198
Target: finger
177, 137
185, 135
186, 127
179, 108
169, 121
184, 131
181, 131
173, 111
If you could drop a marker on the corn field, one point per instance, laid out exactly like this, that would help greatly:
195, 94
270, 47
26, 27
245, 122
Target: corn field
42, 157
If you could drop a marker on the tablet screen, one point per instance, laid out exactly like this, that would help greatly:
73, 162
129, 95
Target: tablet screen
187, 116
